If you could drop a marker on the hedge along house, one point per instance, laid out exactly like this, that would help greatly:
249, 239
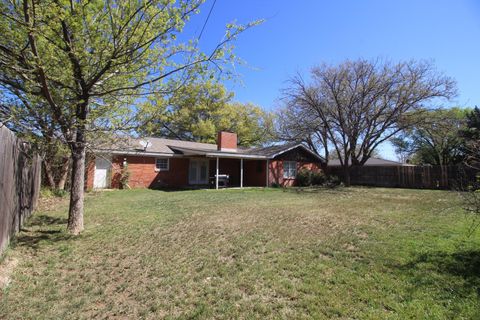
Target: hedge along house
167, 163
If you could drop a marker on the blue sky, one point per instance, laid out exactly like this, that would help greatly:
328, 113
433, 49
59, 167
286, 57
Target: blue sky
300, 34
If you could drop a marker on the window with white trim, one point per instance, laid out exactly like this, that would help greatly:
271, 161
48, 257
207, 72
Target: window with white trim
161, 164
289, 169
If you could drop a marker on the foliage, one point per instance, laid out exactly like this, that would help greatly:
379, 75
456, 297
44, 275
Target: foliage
307, 178
197, 112
332, 181
471, 136
364, 253
89, 62
50, 193
355, 106
304, 178
32, 124
433, 137
318, 178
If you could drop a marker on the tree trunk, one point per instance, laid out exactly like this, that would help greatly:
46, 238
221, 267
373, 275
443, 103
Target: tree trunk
63, 174
49, 173
346, 175
75, 214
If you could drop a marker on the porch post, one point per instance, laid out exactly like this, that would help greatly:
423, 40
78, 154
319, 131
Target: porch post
268, 173
216, 175
241, 172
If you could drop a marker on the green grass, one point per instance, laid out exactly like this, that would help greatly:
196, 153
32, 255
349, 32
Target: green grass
241, 254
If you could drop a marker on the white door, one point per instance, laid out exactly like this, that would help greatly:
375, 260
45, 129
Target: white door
198, 171
101, 173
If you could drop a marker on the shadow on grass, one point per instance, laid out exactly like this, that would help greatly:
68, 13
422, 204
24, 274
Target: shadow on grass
462, 264
42, 229
39, 238
307, 190
178, 189
42, 220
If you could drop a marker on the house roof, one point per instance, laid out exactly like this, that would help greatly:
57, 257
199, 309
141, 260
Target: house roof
373, 161
152, 146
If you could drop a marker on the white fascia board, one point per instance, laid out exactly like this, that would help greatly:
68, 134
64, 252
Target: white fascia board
234, 155
138, 153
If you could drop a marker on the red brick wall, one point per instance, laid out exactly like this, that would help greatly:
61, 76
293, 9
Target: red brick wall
254, 173
276, 172
226, 140
89, 173
143, 174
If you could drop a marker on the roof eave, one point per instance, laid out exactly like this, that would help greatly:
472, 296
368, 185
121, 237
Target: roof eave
236, 155
135, 152
319, 157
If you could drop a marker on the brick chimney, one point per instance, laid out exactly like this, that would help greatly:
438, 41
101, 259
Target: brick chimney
227, 141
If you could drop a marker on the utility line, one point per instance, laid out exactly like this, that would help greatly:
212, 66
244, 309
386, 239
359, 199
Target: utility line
206, 20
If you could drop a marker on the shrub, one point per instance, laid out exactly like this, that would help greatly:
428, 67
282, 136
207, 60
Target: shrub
51, 193
60, 193
307, 178
318, 178
332, 181
304, 178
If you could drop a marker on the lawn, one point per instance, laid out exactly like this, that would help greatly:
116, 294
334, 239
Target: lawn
357, 253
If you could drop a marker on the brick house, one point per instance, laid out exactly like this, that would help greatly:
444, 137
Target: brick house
167, 163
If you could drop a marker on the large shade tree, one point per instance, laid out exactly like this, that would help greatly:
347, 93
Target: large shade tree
433, 137
355, 106
197, 112
90, 61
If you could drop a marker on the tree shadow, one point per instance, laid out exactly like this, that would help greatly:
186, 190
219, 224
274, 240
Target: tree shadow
319, 189
43, 219
41, 230
34, 240
464, 264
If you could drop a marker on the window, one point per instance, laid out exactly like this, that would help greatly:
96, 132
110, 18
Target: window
161, 164
289, 169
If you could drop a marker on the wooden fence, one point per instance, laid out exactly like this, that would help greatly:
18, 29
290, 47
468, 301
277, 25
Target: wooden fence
418, 177
20, 174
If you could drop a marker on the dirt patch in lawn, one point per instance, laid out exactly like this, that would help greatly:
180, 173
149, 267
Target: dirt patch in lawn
6, 269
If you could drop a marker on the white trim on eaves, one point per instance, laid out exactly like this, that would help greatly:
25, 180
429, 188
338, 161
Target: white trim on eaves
139, 153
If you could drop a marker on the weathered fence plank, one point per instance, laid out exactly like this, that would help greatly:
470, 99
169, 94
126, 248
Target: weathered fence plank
19, 184
419, 177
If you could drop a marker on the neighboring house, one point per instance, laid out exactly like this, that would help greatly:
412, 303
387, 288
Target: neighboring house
158, 162
371, 162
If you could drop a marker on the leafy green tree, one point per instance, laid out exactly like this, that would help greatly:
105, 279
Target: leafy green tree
197, 112
471, 136
90, 61
433, 137
34, 125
